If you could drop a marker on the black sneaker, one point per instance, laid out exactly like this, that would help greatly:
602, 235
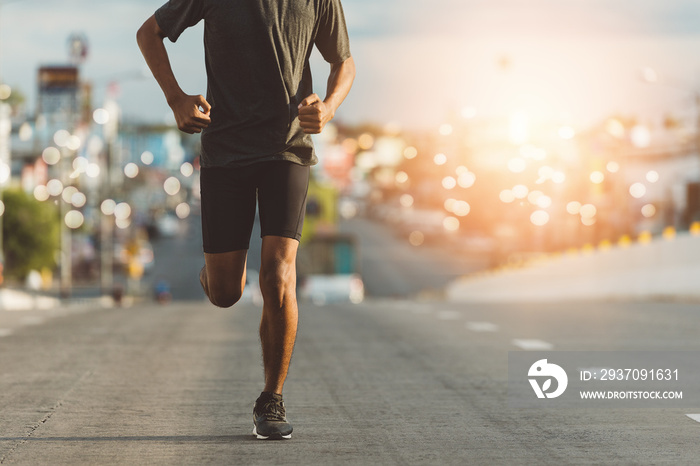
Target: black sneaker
269, 418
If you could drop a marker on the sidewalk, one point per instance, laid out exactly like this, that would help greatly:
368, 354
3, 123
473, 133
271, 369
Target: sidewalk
661, 269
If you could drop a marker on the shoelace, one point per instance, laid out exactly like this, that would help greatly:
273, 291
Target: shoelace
273, 410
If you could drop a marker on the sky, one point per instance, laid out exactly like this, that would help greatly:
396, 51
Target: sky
419, 62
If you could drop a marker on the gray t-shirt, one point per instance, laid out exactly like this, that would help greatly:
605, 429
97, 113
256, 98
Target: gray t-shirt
257, 59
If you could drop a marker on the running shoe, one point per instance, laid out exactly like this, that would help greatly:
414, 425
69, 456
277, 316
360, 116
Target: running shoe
269, 418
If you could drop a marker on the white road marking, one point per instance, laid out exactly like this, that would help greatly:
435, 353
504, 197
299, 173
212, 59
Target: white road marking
449, 315
482, 327
532, 345
5, 332
694, 417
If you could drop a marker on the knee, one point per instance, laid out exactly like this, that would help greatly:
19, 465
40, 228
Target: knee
224, 298
277, 280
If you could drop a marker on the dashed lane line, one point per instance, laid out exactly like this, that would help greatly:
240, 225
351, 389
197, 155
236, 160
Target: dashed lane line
482, 326
532, 344
694, 417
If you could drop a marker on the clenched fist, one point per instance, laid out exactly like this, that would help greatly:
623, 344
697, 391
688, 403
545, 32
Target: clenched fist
191, 113
314, 114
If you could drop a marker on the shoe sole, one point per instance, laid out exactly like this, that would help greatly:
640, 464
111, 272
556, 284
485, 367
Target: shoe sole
270, 437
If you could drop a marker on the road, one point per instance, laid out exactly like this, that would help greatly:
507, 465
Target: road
388, 381
385, 382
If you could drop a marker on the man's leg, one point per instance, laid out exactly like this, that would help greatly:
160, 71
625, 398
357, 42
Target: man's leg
223, 277
278, 326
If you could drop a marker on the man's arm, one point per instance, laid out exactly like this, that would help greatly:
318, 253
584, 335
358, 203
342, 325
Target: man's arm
191, 111
314, 113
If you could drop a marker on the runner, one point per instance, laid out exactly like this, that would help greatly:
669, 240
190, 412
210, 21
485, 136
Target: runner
256, 123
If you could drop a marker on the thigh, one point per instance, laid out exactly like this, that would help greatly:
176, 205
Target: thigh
282, 193
228, 208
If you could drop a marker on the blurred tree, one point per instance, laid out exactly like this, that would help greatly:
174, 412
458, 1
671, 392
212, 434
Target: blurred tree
31, 233
16, 100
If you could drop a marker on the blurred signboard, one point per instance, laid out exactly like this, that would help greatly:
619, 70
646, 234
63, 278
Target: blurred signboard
58, 78
58, 100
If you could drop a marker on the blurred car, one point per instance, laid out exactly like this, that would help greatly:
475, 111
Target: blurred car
328, 270
167, 225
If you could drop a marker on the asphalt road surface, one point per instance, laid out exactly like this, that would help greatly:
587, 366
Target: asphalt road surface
388, 381
384, 382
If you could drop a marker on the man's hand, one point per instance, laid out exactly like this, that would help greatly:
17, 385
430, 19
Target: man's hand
314, 114
191, 113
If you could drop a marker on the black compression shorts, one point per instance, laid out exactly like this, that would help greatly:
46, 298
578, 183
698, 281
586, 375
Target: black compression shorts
228, 203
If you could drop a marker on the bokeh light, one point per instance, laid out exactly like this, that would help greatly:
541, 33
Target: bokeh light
365, 141
648, 210
73, 143
80, 164
462, 208
440, 159
445, 129
101, 116
74, 219
539, 218
640, 136
92, 170
544, 202
5, 172
449, 182
182, 210
451, 223
466, 180
122, 211
131, 170
652, 176
172, 186
410, 152
588, 211
41, 193
573, 207
123, 223
68, 192
61, 137
406, 200
187, 169
506, 196
107, 207
51, 155
613, 167
401, 177
597, 177
416, 238
520, 191
147, 157
54, 187
5, 91
638, 190
78, 199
